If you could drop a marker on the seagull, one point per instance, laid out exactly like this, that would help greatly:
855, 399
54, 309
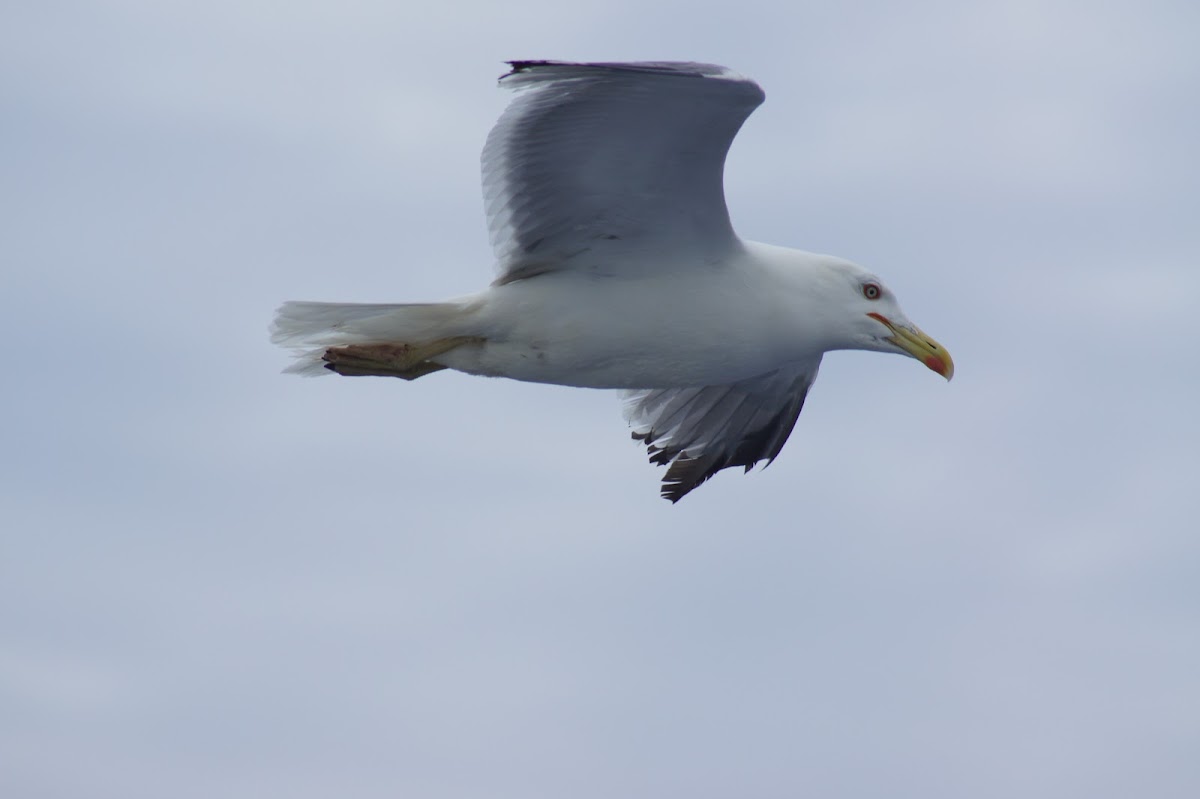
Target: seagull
617, 268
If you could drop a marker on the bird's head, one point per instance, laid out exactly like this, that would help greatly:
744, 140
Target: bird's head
876, 322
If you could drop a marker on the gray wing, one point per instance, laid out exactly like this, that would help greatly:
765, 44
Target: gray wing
697, 432
590, 161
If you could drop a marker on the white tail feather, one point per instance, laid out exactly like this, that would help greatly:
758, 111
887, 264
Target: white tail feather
310, 328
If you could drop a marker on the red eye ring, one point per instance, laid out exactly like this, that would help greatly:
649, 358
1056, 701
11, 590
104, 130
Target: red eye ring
872, 291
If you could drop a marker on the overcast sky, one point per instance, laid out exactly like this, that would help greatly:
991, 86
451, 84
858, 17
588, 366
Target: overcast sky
217, 580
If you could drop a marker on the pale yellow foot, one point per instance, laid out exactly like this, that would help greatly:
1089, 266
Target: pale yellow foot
406, 361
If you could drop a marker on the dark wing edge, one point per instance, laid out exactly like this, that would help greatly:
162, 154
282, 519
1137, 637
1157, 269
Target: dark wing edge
697, 432
526, 70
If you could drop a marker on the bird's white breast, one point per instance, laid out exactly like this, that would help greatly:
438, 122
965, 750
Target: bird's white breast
694, 326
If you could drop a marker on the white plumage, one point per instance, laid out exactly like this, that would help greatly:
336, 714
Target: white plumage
618, 268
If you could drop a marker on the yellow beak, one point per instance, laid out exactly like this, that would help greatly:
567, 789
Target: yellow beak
919, 345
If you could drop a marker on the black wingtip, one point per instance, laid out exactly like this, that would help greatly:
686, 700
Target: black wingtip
687, 474
525, 66
690, 69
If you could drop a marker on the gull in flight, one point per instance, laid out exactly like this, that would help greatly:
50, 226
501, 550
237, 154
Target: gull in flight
617, 268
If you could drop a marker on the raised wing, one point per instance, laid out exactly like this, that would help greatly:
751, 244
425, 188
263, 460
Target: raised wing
698, 432
592, 160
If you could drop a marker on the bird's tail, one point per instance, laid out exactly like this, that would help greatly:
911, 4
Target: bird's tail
312, 328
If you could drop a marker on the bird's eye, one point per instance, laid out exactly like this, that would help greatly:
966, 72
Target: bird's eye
872, 291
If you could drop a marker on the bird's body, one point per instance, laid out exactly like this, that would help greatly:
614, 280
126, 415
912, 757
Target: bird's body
722, 324
618, 269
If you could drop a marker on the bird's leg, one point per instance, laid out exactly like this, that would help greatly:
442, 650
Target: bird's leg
406, 361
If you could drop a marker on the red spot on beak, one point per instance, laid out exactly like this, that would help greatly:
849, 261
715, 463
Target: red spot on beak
936, 364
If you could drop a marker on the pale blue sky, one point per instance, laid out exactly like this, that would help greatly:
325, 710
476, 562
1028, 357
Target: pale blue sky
216, 580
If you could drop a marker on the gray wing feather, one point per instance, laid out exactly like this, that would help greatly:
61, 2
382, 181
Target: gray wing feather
697, 432
590, 160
